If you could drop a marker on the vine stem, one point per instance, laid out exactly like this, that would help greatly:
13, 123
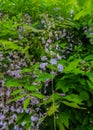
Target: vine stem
53, 104
53, 99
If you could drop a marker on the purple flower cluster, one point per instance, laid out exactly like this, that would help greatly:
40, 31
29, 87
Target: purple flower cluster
13, 62
9, 112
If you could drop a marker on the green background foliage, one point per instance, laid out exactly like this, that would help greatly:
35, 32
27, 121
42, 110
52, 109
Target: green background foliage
59, 30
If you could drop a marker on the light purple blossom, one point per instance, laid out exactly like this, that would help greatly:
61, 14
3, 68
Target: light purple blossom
15, 73
16, 127
46, 45
60, 68
23, 123
50, 34
43, 58
6, 109
2, 117
53, 72
33, 118
62, 94
43, 65
12, 108
58, 57
53, 61
14, 116
49, 40
57, 47
1, 123
8, 93
18, 110
27, 110
46, 50
11, 121
34, 101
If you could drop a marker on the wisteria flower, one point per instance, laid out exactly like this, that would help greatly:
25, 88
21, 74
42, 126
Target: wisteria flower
43, 66
50, 34
33, 118
60, 68
27, 110
58, 57
8, 93
53, 61
47, 81
2, 117
57, 47
46, 50
16, 127
23, 123
43, 58
62, 94
49, 40
14, 116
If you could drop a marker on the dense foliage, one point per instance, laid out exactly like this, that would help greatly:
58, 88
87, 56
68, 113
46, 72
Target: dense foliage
46, 65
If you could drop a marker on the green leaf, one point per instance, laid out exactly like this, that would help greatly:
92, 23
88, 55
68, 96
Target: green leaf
25, 70
26, 103
18, 98
12, 83
20, 118
63, 118
38, 95
85, 121
61, 126
57, 97
1, 76
90, 84
80, 14
52, 109
73, 98
72, 66
10, 45
74, 105
88, 58
64, 86
84, 95
51, 67
44, 77
16, 92
49, 100
90, 76
31, 29
31, 88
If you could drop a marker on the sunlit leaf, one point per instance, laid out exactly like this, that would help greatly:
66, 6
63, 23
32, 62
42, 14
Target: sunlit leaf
72, 104
52, 109
12, 83
38, 95
17, 98
26, 103
15, 92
